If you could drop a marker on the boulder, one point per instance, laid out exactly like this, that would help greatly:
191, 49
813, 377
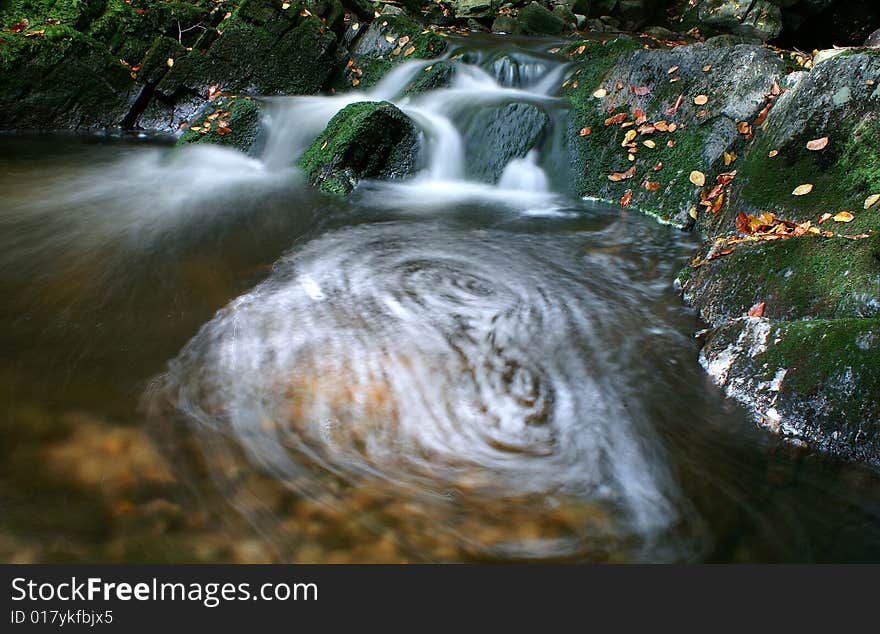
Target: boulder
537, 20
498, 134
363, 140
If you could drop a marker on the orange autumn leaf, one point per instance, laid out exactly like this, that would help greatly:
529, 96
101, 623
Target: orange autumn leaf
701, 100
585, 131
843, 216
824, 217
757, 310
627, 198
817, 144
674, 108
652, 186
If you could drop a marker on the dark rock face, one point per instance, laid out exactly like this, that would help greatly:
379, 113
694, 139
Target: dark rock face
534, 18
120, 64
735, 85
498, 134
364, 140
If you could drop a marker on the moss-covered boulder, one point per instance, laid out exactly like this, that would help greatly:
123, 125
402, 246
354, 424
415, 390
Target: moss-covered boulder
363, 140
231, 120
760, 20
642, 120
814, 381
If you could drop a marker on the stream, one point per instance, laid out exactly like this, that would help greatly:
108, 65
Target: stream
468, 365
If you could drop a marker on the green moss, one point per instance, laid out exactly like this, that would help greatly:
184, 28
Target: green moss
844, 174
804, 277
243, 120
364, 140
434, 76
833, 358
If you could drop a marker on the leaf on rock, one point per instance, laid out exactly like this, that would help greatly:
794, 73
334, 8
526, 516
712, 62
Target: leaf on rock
817, 144
701, 100
697, 178
843, 216
600, 94
627, 198
802, 190
586, 131
757, 310
870, 201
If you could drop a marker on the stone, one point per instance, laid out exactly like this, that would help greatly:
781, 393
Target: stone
537, 20
363, 140
497, 134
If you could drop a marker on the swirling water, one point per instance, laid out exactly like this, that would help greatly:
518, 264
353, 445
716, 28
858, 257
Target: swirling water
438, 369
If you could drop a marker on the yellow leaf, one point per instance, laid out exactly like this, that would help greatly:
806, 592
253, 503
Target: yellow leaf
169, 62
817, 144
649, 143
773, 153
629, 136
729, 157
800, 190
672, 70
600, 94
698, 178
870, 201
843, 216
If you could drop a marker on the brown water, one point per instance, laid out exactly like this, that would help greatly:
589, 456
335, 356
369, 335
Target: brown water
477, 380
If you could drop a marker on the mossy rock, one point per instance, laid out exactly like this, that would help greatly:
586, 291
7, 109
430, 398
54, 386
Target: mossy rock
242, 123
364, 140
62, 80
807, 277
814, 381
537, 20
832, 100
374, 55
736, 85
432, 77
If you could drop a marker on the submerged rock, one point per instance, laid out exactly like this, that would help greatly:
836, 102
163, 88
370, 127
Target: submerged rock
364, 140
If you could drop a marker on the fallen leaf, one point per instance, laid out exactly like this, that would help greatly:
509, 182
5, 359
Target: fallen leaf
757, 310
585, 131
627, 197
619, 176
640, 91
801, 190
169, 62
620, 117
285, 5
629, 136
762, 116
698, 178
649, 143
672, 70
600, 94
824, 217
390, 38
18, 27
817, 144
707, 68
674, 107
652, 186
658, 166
870, 201
744, 127
743, 222
701, 100
409, 51
773, 153
843, 216
213, 91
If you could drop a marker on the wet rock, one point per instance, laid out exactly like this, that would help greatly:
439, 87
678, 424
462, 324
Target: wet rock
432, 77
506, 24
496, 135
873, 40
692, 137
364, 140
815, 382
537, 20
231, 120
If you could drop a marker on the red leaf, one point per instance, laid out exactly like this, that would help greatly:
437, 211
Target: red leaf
627, 197
757, 310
